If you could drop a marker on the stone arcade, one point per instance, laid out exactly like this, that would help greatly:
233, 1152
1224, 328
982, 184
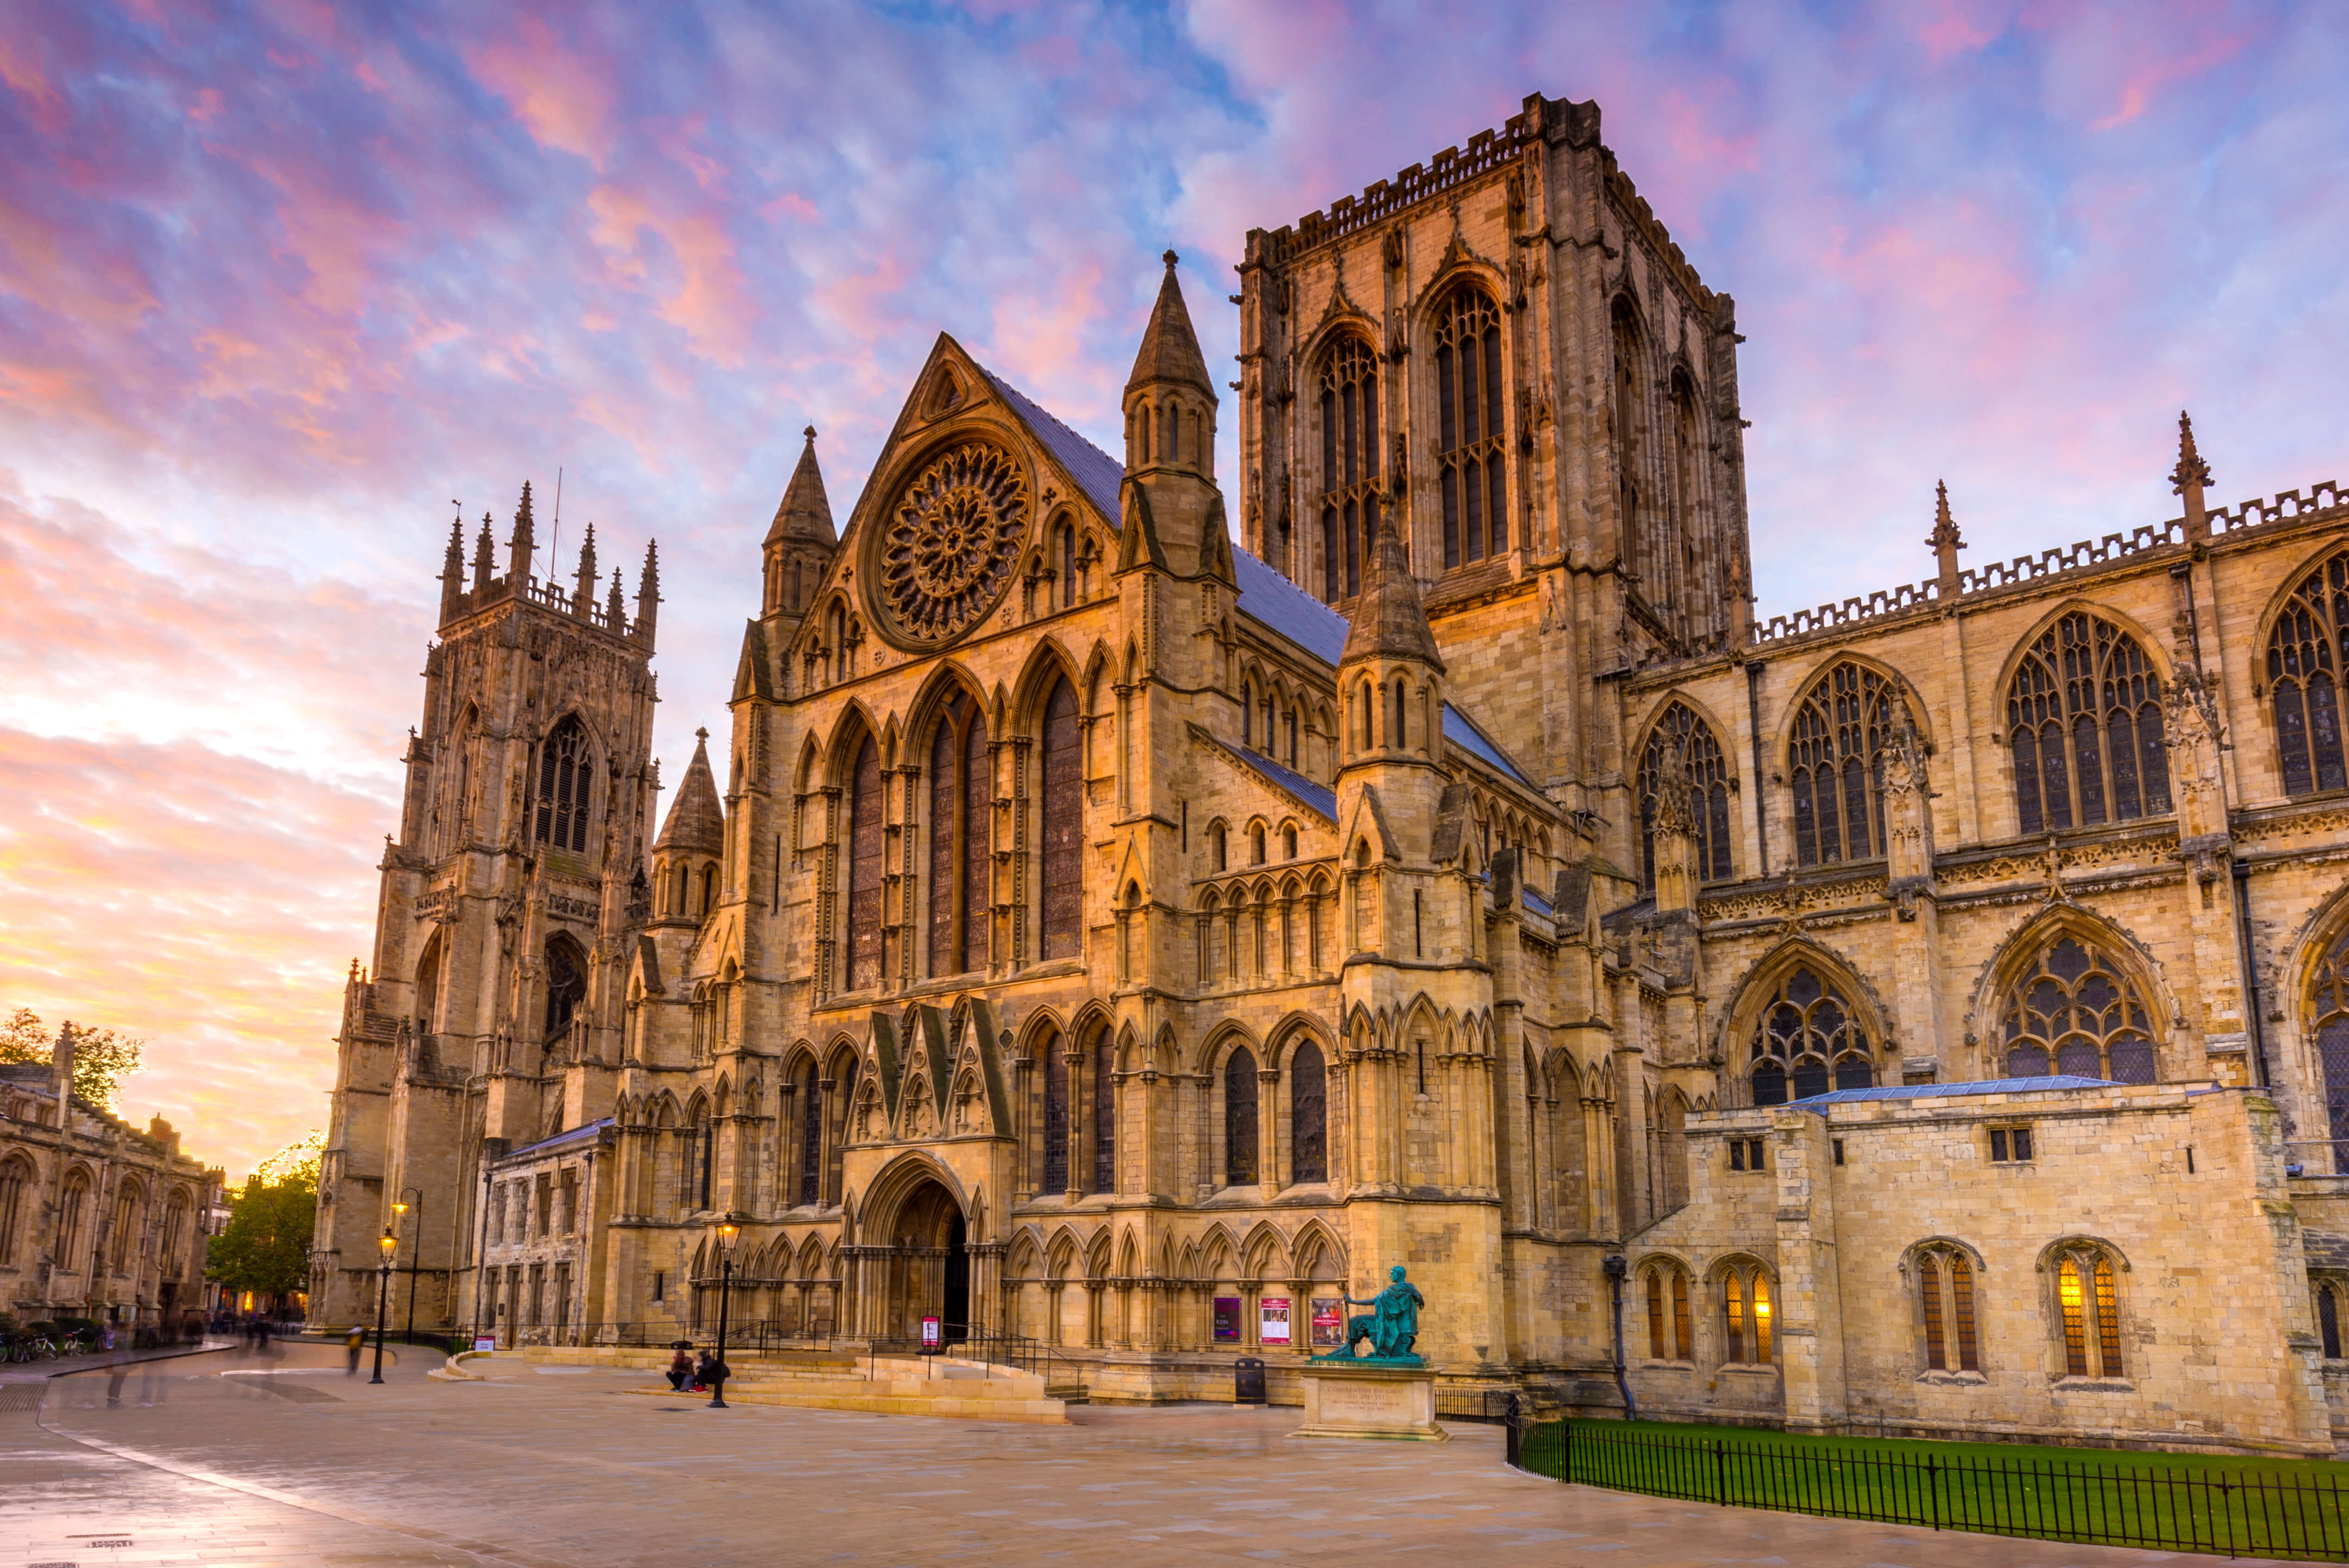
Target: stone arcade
1130, 925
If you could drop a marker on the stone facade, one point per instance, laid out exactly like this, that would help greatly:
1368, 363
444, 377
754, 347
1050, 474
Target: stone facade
1111, 936
97, 1219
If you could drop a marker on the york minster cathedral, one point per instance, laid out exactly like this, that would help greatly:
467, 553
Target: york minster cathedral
1125, 908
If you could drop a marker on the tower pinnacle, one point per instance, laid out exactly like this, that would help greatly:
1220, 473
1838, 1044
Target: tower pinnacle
1944, 541
2188, 478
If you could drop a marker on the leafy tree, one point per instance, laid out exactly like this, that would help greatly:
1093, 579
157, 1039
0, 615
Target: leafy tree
266, 1247
102, 1057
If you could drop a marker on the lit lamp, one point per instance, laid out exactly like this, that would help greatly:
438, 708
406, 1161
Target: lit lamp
390, 1244
725, 1290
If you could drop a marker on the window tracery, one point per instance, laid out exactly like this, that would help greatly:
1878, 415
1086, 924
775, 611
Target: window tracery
15, 1177
1308, 1113
1745, 1327
1843, 728
865, 839
1668, 1336
1808, 1037
1470, 418
1056, 1112
1104, 1088
2328, 1318
2328, 1031
1062, 808
811, 1136
2088, 1310
961, 829
2308, 655
1707, 772
2084, 719
1945, 1299
2076, 1008
1349, 465
953, 541
1239, 1118
563, 780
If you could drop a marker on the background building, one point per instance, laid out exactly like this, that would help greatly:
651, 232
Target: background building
1106, 935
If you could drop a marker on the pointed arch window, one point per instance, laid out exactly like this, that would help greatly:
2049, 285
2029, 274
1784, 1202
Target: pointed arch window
70, 1207
1056, 1113
1239, 1118
1945, 1299
1843, 727
1630, 389
1105, 1097
15, 1178
2075, 1010
1471, 428
865, 839
961, 824
1308, 1113
1668, 1336
2308, 655
2328, 1027
1746, 1337
564, 779
1707, 772
811, 1136
2087, 1311
1063, 823
566, 988
1808, 1038
1349, 465
2083, 717
175, 1230
2328, 1319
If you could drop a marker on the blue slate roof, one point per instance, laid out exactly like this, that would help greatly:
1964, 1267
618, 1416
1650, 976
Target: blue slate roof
1535, 902
1320, 798
1982, 1086
573, 1135
1265, 596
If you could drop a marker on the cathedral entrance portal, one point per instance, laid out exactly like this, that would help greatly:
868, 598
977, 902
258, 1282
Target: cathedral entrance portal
929, 1266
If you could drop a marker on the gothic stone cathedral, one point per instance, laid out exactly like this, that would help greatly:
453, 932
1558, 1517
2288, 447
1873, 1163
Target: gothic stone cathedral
1121, 921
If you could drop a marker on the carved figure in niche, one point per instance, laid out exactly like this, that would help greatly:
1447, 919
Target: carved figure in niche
1391, 1326
953, 541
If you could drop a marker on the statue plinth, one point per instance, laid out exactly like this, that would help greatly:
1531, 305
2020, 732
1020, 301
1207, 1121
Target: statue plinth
1369, 1399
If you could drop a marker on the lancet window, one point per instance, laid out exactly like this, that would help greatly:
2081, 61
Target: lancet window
2083, 717
1707, 772
1104, 1098
865, 840
15, 1179
1239, 1118
1668, 1336
1349, 465
1471, 424
1808, 1038
2308, 654
2328, 1319
2074, 1010
961, 824
1063, 821
2328, 1031
2088, 1310
563, 780
1843, 727
1745, 1337
811, 1136
1056, 1112
1308, 1113
566, 988
76, 1199
1945, 1299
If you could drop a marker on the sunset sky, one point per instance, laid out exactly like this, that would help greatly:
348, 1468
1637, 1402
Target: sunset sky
280, 280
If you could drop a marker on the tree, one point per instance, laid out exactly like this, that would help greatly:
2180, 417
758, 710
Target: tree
266, 1247
102, 1057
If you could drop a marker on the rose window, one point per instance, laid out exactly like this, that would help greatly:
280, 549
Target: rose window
952, 540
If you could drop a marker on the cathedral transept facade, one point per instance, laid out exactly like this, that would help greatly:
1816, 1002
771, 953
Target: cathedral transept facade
1122, 921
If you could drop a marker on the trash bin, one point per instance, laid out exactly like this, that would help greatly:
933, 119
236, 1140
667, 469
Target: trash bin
1248, 1381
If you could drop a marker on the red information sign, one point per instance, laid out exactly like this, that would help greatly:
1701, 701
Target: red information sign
931, 1336
1272, 1320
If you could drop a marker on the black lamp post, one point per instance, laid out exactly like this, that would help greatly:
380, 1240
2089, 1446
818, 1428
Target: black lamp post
415, 1253
725, 1291
389, 1244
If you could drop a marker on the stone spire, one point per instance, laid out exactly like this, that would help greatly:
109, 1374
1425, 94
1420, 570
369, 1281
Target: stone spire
2188, 478
583, 595
1170, 349
485, 551
524, 540
805, 512
616, 607
648, 596
452, 568
1944, 541
697, 818
1389, 621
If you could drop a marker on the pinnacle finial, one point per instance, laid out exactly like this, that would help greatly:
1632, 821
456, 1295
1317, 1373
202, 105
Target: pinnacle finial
1945, 542
810, 433
2191, 470
702, 736
1170, 258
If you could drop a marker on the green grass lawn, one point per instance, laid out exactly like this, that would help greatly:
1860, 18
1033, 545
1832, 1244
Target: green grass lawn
2271, 1507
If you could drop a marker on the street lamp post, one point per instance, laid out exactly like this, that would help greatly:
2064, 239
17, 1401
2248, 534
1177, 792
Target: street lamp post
389, 1243
725, 1291
415, 1252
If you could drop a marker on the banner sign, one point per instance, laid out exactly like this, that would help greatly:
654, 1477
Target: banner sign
930, 1334
1329, 1320
1227, 1318
1272, 1320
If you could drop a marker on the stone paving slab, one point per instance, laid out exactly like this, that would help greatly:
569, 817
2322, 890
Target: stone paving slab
535, 1471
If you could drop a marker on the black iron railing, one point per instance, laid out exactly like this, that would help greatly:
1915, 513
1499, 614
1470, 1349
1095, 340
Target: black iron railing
2121, 1501
1492, 1405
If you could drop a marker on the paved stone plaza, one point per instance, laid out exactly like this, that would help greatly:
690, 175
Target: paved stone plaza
233, 1457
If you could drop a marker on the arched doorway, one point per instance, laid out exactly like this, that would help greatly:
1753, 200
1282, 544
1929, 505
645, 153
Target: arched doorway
929, 1264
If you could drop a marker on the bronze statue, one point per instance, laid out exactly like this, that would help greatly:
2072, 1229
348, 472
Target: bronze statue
1391, 1326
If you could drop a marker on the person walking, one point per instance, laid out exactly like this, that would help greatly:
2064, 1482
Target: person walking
351, 1344
681, 1369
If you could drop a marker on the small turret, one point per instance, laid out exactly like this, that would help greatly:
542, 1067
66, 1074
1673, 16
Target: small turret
648, 596
801, 540
583, 593
524, 540
1175, 514
1945, 542
2188, 478
692, 844
452, 570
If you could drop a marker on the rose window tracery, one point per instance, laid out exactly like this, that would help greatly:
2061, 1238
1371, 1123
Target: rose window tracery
952, 540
